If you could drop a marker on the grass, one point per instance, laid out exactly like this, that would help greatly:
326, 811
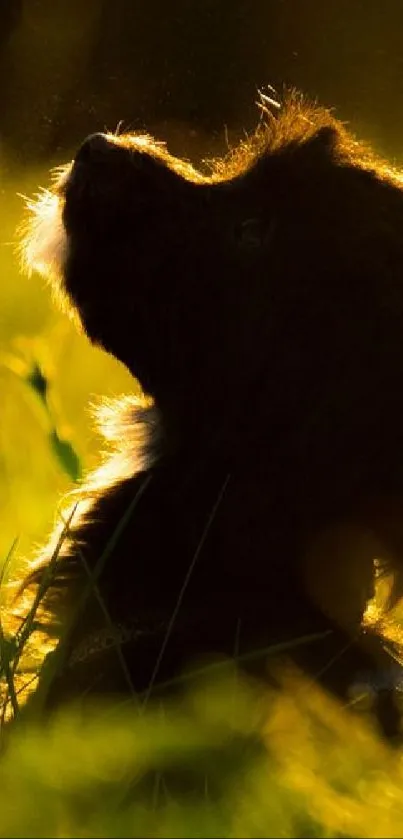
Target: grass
227, 758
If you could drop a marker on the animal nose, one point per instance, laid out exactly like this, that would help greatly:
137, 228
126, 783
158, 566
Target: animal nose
93, 148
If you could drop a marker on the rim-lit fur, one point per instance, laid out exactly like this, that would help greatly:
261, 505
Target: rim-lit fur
214, 397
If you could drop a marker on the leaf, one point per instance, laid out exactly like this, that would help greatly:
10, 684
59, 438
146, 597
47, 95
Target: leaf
66, 455
37, 381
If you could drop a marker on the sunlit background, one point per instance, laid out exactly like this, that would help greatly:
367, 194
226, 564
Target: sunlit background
187, 71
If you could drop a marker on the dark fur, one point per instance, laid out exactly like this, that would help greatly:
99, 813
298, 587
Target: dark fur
261, 307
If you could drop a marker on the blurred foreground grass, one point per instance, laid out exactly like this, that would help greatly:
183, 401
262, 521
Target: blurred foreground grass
32, 479
227, 759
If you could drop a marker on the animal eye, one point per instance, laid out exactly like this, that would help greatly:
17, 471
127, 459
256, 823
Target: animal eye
253, 233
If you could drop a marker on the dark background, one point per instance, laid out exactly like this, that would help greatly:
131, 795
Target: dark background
189, 70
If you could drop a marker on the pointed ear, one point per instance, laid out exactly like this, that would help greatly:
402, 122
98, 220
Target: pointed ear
324, 144
321, 145
326, 138
315, 152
